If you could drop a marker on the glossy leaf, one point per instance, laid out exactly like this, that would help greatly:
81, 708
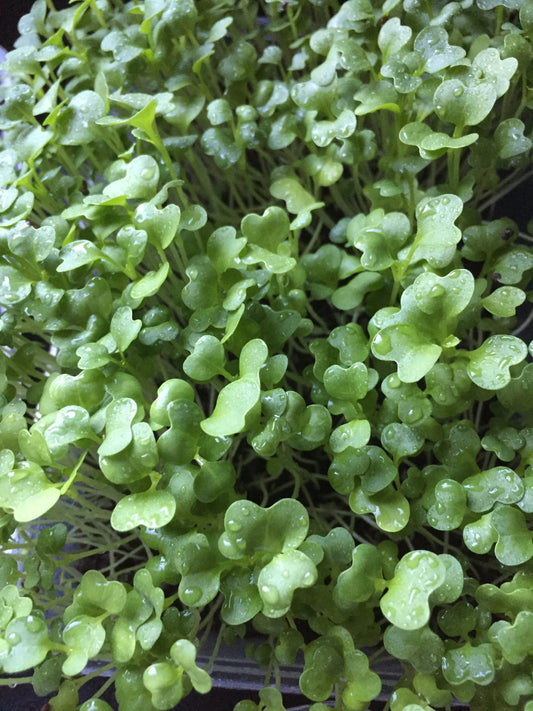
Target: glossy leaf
437, 53
298, 201
119, 417
432, 144
84, 636
161, 225
25, 490
437, 234
140, 180
393, 36
469, 663
151, 282
152, 509
280, 577
418, 575
496, 485
124, 328
75, 124
179, 444
362, 580
469, 98
250, 528
389, 507
448, 511
26, 644
489, 364
206, 360
171, 390
239, 397
352, 434
242, 599
421, 647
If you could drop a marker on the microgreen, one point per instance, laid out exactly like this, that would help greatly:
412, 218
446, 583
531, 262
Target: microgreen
265, 350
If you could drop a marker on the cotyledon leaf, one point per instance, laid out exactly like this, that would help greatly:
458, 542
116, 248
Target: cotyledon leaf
152, 509
237, 399
406, 603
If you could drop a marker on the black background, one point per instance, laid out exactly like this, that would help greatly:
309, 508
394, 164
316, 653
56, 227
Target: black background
10, 11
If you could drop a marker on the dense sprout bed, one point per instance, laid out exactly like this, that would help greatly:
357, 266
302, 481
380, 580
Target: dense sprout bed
262, 371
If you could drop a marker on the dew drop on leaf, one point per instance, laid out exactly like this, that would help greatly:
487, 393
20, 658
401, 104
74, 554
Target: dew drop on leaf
413, 415
382, 344
308, 579
191, 595
437, 290
147, 173
33, 624
270, 594
393, 381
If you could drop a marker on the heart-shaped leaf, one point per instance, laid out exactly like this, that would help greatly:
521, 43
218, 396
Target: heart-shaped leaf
152, 509
281, 577
488, 365
206, 360
406, 603
236, 399
251, 529
124, 328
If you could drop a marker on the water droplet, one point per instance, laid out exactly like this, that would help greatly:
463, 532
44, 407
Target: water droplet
458, 91
33, 624
411, 560
285, 573
437, 290
147, 173
429, 208
393, 381
140, 215
382, 344
308, 579
413, 414
270, 594
13, 638
190, 596
233, 525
